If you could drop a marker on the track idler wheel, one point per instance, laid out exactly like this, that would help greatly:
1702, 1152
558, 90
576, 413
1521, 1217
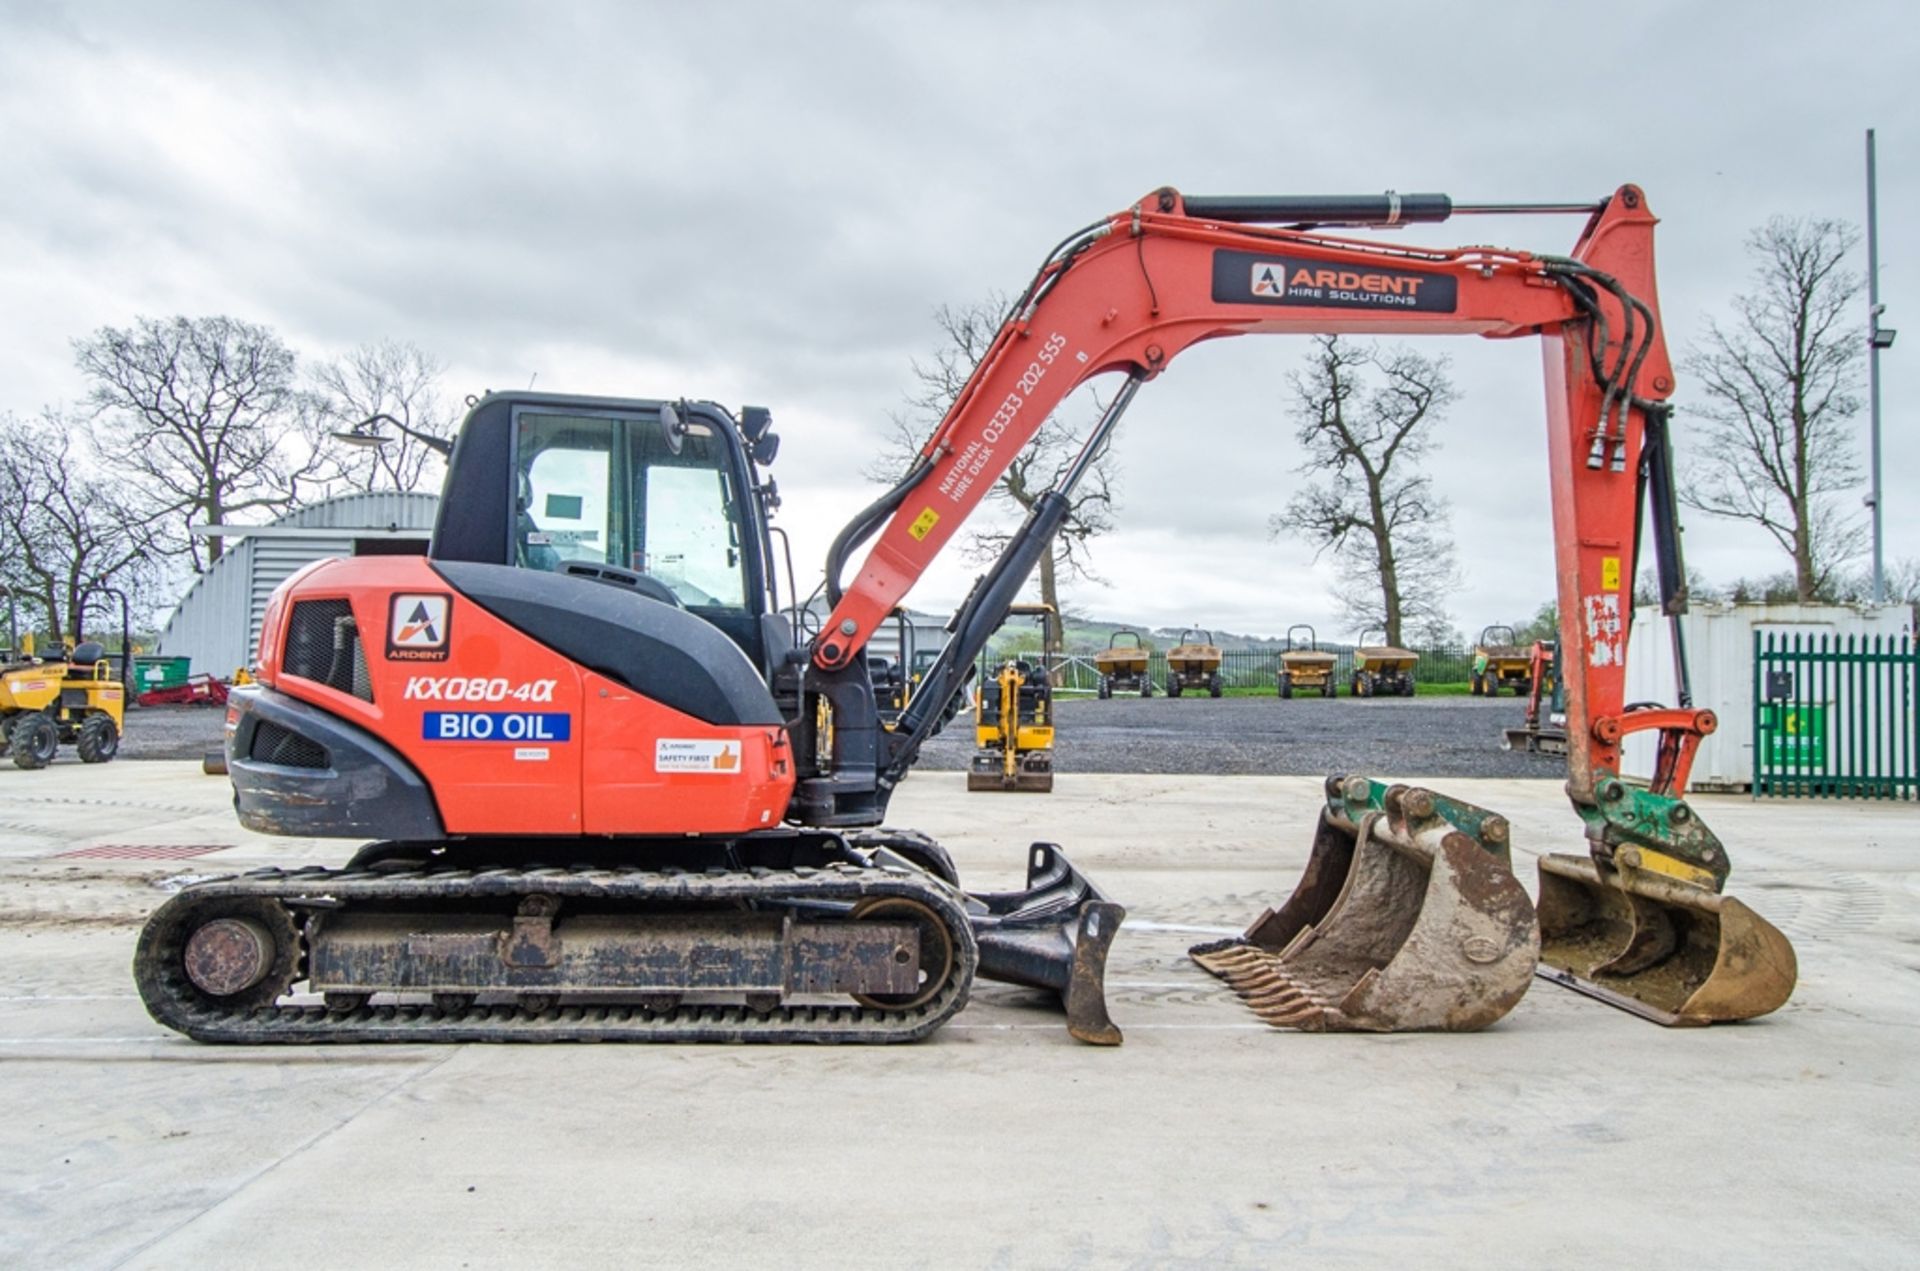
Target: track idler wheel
237, 954
1407, 918
1665, 950
937, 955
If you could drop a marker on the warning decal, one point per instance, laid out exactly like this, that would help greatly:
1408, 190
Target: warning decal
674, 754
923, 524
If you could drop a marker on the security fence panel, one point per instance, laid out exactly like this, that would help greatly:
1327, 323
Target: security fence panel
1834, 716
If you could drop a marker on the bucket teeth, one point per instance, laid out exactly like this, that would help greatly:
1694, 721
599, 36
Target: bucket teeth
1401, 921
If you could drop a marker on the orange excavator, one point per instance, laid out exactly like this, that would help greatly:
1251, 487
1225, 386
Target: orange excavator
617, 796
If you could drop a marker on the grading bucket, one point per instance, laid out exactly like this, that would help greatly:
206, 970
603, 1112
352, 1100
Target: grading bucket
1666, 950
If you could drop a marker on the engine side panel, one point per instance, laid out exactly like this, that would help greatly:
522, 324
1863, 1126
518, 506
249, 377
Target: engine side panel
501, 726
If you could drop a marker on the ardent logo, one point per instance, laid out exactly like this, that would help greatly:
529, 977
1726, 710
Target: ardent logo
418, 627
1267, 278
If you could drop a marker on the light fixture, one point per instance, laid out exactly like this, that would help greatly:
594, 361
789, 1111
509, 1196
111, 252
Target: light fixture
363, 434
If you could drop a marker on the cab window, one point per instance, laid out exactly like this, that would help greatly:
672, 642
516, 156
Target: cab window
613, 491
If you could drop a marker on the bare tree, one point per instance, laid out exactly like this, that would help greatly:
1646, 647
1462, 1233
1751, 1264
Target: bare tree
1779, 388
1387, 529
969, 332
68, 534
206, 413
388, 377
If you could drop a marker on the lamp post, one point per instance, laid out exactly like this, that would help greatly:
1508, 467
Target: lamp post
1878, 337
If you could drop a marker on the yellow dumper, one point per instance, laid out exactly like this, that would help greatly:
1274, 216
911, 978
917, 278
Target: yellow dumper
1194, 663
1123, 667
1382, 670
1501, 661
73, 701
1304, 667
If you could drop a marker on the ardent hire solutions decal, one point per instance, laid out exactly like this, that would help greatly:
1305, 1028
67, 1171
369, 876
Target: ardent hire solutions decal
1278, 279
418, 627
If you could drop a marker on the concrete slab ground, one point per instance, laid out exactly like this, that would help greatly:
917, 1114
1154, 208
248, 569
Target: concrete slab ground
1569, 1135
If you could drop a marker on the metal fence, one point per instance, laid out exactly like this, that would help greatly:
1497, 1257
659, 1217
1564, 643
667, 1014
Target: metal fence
1260, 668
1834, 716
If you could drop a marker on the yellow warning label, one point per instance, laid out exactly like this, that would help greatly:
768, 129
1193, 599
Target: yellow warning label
924, 523
1609, 573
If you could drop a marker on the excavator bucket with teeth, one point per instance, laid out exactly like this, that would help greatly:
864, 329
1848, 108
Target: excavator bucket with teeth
1408, 917
1663, 949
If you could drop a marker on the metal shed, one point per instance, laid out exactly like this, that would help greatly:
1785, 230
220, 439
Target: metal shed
217, 623
1720, 646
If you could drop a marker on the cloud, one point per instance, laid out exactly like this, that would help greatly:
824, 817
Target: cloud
765, 202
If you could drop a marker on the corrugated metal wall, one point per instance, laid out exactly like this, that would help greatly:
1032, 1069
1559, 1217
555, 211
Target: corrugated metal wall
217, 623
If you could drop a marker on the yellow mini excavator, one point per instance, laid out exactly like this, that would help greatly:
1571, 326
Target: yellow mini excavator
1013, 722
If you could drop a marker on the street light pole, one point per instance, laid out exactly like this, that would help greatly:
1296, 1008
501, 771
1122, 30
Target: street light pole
1877, 339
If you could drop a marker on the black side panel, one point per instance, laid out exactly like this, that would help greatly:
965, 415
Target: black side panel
321, 776
669, 654
476, 503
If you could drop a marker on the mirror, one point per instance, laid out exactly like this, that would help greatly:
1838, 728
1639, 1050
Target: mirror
672, 428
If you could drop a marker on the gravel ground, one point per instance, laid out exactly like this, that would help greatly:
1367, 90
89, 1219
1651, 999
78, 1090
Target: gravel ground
171, 732
1422, 736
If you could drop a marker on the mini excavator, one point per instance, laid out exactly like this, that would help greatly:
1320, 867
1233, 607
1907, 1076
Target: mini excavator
616, 796
1013, 719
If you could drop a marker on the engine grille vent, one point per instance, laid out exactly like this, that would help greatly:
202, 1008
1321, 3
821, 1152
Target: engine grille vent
283, 746
323, 645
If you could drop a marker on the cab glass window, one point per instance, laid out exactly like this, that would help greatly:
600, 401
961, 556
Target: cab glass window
614, 491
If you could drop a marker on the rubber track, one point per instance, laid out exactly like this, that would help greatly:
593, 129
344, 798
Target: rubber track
173, 1002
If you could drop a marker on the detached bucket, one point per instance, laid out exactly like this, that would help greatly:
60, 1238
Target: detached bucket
1407, 919
1667, 951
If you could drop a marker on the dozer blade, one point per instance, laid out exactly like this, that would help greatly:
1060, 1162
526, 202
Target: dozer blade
1668, 951
1407, 918
1033, 774
1053, 935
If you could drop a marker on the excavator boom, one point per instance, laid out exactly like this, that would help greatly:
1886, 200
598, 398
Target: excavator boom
1128, 294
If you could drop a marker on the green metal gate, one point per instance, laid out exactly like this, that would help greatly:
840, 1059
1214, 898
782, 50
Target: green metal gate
1834, 716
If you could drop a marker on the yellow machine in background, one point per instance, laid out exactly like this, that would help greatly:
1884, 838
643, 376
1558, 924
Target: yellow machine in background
1381, 669
74, 700
1304, 666
1013, 722
1195, 664
1501, 661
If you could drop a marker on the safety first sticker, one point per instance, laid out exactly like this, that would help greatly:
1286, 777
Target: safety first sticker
715, 758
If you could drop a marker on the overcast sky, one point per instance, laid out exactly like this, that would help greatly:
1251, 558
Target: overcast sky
764, 203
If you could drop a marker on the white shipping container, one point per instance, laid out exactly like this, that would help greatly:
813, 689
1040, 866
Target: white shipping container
1719, 640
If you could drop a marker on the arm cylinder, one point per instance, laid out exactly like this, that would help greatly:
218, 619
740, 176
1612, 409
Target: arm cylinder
1320, 209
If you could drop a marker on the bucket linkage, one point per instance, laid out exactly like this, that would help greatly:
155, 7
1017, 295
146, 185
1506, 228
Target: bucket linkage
1408, 917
